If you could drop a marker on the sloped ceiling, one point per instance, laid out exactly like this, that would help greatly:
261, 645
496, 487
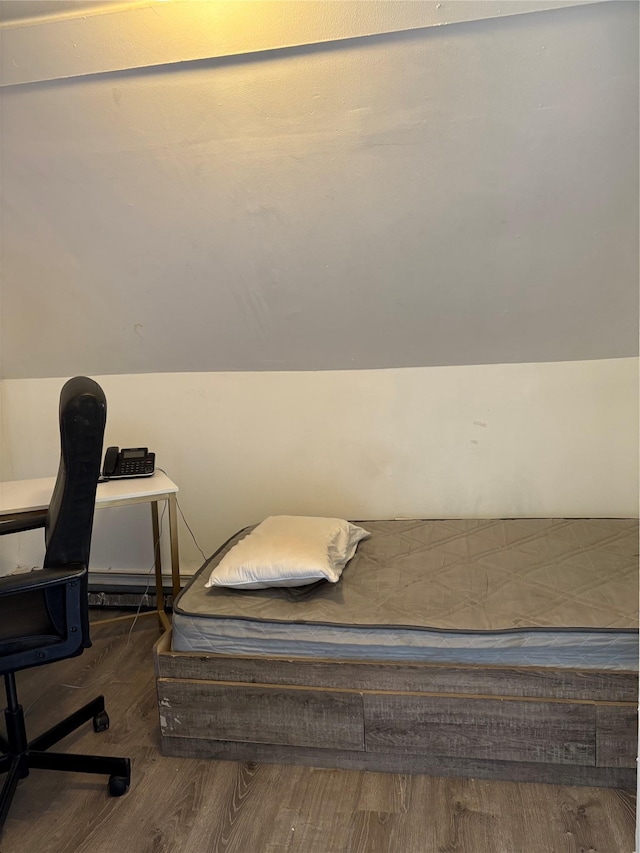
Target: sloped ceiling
23, 10
451, 195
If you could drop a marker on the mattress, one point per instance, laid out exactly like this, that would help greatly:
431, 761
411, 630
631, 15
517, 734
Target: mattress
537, 592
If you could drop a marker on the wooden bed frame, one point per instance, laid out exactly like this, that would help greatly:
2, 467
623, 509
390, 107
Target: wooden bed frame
563, 726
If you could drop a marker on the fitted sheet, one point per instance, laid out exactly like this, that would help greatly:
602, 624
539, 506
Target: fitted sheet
544, 592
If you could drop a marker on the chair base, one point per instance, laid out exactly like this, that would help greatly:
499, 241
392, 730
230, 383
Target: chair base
21, 756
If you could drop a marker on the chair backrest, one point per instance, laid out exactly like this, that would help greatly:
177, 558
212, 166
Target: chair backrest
83, 415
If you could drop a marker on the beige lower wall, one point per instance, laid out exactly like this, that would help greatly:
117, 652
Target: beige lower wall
554, 439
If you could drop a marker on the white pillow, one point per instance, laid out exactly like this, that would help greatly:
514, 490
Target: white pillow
289, 550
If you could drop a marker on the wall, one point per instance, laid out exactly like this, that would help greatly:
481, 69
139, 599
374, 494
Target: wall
351, 263
486, 440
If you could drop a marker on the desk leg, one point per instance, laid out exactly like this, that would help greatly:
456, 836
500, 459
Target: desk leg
173, 541
162, 613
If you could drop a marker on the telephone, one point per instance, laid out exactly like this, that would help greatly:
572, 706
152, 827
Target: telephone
128, 462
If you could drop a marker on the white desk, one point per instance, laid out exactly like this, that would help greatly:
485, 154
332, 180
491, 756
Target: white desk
24, 496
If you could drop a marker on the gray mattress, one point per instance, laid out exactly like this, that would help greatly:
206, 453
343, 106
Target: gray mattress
538, 592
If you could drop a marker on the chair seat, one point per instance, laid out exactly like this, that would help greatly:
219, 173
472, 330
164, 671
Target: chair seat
27, 625
28, 644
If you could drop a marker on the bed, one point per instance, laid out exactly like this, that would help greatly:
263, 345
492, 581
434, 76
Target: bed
493, 648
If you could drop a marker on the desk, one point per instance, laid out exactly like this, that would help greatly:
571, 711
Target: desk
23, 496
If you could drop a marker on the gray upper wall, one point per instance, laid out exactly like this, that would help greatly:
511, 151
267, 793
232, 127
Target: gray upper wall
456, 195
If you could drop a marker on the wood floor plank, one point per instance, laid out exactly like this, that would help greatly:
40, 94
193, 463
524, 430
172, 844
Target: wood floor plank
384, 792
372, 832
200, 805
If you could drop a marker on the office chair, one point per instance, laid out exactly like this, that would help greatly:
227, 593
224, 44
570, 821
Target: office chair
44, 615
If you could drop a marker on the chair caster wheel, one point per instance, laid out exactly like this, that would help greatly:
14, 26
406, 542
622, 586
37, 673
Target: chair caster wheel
118, 785
101, 722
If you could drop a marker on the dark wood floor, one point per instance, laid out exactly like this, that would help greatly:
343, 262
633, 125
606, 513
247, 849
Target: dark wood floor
197, 806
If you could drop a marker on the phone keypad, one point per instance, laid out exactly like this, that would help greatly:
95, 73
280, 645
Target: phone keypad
135, 467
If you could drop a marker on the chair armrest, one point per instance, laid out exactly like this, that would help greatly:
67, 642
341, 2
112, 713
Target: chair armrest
23, 521
39, 579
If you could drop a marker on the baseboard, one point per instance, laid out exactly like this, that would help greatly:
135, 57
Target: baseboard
124, 600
